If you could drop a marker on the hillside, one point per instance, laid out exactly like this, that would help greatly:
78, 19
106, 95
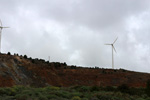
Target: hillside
20, 70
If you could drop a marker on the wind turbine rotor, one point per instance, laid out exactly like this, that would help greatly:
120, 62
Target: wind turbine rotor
114, 48
115, 40
1, 25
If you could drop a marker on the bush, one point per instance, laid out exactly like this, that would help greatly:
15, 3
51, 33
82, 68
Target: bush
137, 91
72, 93
42, 97
104, 97
53, 88
7, 91
83, 89
19, 88
94, 88
147, 90
21, 97
110, 88
148, 98
123, 88
62, 94
85, 99
140, 99
51, 96
76, 94
76, 98
3, 91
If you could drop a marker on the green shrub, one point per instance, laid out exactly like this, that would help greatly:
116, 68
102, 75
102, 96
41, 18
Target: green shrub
63, 94
7, 91
3, 91
104, 97
76, 98
42, 97
81, 88
84, 89
136, 91
11, 91
147, 90
51, 96
7, 98
19, 88
85, 99
110, 88
94, 88
52, 88
118, 94
21, 97
94, 98
123, 88
148, 98
116, 98
28, 92
140, 99
76, 94
72, 93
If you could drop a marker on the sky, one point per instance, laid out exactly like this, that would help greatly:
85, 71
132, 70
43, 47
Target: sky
75, 31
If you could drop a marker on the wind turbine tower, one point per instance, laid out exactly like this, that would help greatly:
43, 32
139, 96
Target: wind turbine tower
1, 28
49, 58
113, 49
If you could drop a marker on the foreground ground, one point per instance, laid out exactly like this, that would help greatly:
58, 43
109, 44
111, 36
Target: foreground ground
122, 92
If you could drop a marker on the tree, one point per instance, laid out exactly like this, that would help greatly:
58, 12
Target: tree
64, 64
25, 56
9, 53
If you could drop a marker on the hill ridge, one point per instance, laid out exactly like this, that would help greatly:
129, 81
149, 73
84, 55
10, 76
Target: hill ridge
21, 70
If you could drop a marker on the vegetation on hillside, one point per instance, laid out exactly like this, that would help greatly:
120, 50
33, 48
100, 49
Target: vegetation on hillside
73, 83
122, 92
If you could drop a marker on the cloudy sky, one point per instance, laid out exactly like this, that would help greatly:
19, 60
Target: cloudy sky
75, 31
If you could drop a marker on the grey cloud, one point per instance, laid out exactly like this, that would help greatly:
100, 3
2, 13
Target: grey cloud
75, 31
98, 13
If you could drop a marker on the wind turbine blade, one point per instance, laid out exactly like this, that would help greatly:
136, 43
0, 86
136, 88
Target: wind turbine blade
6, 27
1, 23
108, 44
114, 49
115, 40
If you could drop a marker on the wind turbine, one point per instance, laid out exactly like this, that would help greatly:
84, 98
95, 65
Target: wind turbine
113, 48
49, 58
1, 27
